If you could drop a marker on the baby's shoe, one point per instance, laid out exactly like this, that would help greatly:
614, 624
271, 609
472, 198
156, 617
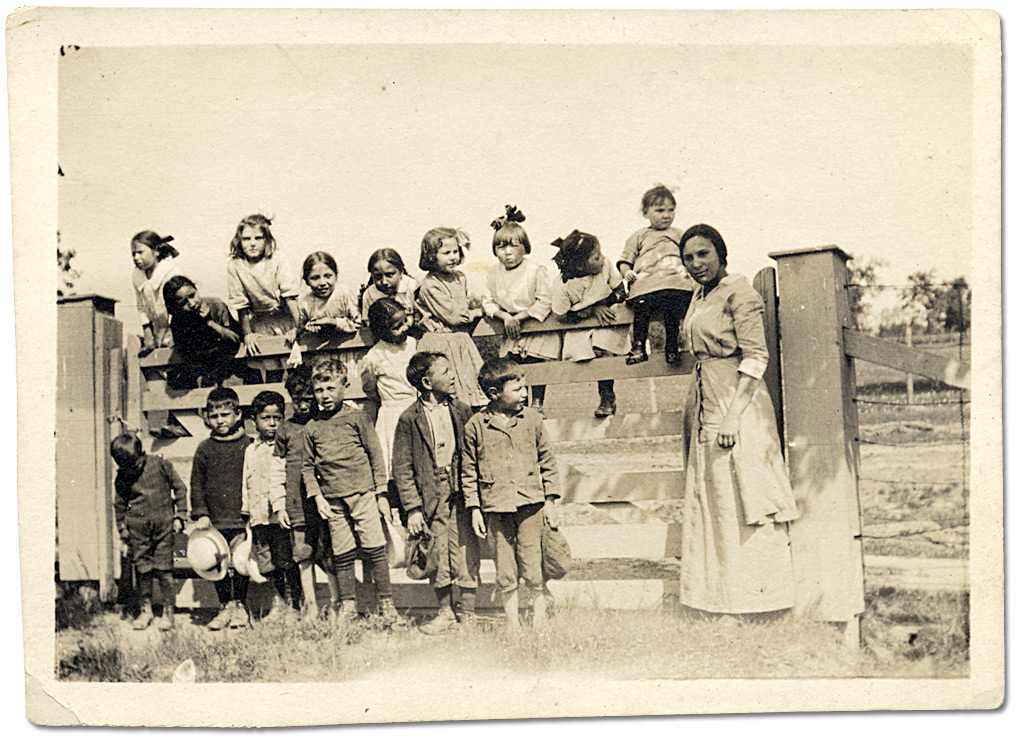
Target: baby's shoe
144, 618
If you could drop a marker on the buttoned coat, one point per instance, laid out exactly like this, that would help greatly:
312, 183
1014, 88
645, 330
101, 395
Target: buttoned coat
414, 459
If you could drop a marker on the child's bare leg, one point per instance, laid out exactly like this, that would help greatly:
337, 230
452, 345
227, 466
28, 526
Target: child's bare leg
538, 605
334, 588
306, 569
511, 607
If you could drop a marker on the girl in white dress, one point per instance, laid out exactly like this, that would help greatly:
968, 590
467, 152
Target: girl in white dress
384, 370
153, 257
519, 289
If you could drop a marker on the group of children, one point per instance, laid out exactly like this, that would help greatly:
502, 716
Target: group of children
315, 488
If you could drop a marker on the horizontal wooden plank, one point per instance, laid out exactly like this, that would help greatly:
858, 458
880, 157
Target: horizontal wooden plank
158, 395
584, 487
626, 426
947, 369
917, 573
649, 541
273, 346
488, 326
607, 367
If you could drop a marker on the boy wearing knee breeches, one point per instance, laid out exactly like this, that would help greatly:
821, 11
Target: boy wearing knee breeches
147, 519
426, 469
510, 483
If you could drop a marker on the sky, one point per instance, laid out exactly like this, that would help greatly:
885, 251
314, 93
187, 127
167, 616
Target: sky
350, 148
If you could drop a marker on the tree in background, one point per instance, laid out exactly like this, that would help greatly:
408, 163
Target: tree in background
942, 306
956, 299
66, 276
862, 287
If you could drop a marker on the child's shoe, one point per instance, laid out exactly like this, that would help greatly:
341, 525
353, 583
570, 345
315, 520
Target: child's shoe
467, 620
222, 619
636, 356
607, 407
238, 616
144, 618
389, 614
345, 611
166, 622
443, 623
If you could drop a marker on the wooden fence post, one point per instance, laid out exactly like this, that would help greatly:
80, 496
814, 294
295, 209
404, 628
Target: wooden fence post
821, 434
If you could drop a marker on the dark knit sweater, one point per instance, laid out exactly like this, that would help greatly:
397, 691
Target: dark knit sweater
216, 474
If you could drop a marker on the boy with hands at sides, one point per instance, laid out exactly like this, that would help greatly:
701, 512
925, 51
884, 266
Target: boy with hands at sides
427, 448
510, 483
344, 472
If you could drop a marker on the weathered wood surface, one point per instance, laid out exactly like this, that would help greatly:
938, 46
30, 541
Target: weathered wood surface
948, 369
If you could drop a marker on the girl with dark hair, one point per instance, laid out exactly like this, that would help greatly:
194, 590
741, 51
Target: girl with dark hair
153, 257
387, 277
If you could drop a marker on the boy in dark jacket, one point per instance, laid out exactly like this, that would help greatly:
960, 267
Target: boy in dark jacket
216, 474
147, 519
426, 469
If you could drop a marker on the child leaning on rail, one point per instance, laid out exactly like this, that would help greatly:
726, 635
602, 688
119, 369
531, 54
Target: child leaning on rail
589, 287
519, 289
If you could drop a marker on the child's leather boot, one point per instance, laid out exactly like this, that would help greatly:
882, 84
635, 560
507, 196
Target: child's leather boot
166, 622
144, 618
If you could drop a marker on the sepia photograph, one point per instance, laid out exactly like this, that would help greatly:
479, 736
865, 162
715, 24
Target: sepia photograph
470, 365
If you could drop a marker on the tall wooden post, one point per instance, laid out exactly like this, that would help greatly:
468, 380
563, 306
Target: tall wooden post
821, 434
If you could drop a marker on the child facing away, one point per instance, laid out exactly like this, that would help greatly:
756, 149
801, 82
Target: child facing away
427, 449
153, 257
309, 534
260, 288
205, 334
264, 501
217, 472
510, 483
387, 277
589, 288
384, 370
343, 472
652, 266
147, 518
517, 290
447, 315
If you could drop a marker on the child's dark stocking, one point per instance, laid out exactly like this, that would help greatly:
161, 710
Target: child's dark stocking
167, 591
293, 576
538, 395
466, 612
145, 601
380, 568
348, 585
279, 584
640, 330
239, 587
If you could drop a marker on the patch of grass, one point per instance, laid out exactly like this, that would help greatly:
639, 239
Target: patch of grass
76, 605
927, 627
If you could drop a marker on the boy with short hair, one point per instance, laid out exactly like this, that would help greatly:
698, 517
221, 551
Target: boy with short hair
147, 518
510, 483
264, 500
309, 533
427, 448
217, 472
344, 473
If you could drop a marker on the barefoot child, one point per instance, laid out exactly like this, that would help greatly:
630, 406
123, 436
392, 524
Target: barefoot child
447, 314
343, 472
387, 277
426, 467
264, 501
517, 290
589, 288
216, 475
652, 266
510, 483
309, 533
147, 519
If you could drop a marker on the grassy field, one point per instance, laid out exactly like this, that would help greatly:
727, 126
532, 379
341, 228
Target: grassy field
913, 500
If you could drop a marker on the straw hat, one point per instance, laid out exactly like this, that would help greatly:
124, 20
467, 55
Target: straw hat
243, 560
208, 554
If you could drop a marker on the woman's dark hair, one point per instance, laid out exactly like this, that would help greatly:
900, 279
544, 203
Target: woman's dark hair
318, 256
709, 233
170, 289
381, 314
160, 245
389, 255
